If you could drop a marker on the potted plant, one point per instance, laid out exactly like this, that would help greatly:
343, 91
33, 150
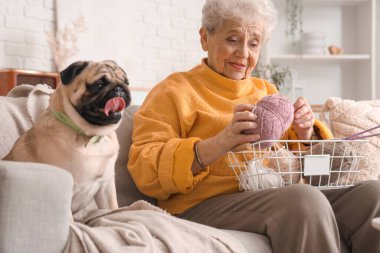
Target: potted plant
294, 10
274, 73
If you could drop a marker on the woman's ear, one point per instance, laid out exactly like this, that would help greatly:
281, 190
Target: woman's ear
204, 39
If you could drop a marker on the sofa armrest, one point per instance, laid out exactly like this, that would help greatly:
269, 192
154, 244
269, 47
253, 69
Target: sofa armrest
35, 206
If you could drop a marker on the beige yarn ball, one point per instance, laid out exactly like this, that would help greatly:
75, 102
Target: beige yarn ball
286, 164
257, 177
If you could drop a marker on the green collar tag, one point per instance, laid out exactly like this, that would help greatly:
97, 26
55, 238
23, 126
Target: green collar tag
95, 139
60, 116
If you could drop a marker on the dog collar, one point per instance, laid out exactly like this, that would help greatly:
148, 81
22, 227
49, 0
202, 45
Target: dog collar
63, 118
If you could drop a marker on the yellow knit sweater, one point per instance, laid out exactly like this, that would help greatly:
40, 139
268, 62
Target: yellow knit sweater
182, 109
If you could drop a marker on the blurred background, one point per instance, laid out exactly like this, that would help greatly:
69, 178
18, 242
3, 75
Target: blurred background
319, 48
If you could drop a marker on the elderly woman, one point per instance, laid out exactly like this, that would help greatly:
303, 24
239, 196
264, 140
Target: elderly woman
190, 120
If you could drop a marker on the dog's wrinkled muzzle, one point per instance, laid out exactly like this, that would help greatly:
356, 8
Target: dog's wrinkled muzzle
108, 109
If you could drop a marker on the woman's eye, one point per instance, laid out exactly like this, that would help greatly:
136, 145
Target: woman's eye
254, 44
233, 39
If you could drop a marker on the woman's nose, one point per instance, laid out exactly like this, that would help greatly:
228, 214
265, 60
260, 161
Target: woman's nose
243, 51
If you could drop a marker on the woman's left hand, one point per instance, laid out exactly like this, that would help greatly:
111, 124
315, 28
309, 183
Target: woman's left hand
303, 121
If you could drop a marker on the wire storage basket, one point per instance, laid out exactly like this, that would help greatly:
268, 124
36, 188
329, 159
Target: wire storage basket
324, 164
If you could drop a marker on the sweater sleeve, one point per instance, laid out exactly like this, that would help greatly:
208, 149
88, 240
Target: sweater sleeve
323, 131
161, 156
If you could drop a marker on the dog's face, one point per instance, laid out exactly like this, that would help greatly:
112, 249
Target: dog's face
98, 90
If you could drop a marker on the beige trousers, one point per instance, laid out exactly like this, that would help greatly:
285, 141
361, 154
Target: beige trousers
299, 218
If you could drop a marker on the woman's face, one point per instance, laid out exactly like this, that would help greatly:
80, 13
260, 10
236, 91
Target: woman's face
234, 50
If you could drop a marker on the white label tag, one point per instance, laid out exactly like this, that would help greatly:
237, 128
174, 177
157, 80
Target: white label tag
316, 165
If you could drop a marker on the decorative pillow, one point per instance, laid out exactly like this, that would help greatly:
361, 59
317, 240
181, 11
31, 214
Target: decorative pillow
18, 110
348, 117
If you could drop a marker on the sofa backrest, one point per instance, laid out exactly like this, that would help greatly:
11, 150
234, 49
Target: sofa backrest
127, 192
21, 108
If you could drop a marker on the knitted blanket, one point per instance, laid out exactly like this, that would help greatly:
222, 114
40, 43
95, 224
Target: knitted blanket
144, 228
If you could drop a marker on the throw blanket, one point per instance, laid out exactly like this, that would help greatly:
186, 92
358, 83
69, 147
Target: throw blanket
142, 227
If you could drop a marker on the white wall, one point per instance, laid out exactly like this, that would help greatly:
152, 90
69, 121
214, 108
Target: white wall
23, 43
166, 40
166, 37
149, 38
162, 36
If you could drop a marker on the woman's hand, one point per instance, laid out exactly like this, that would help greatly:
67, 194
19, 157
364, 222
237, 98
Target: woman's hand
303, 121
233, 135
230, 137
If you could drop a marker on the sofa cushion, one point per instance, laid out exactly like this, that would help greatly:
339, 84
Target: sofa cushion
252, 242
348, 117
35, 202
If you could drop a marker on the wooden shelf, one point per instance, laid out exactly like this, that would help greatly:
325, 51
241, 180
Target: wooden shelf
349, 24
341, 58
10, 78
334, 2
314, 3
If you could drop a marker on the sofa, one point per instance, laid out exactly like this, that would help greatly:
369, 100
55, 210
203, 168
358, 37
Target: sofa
35, 199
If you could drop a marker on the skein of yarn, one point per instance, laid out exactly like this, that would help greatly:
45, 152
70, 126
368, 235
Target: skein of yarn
343, 159
285, 163
274, 116
257, 177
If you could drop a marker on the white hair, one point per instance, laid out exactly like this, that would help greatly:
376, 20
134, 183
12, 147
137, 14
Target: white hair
214, 12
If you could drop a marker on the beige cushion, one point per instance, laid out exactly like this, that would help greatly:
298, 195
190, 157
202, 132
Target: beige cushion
18, 110
348, 117
127, 191
25, 103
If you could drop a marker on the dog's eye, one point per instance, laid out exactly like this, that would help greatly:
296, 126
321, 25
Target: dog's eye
99, 84
96, 86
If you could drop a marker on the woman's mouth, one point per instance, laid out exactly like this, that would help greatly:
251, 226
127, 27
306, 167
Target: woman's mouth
237, 66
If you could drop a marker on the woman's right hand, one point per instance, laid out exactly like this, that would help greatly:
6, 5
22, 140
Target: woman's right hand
235, 133
230, 137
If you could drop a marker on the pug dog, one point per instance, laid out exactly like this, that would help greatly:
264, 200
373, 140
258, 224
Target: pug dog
77, 132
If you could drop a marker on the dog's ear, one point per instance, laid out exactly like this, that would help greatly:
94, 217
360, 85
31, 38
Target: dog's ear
69, 73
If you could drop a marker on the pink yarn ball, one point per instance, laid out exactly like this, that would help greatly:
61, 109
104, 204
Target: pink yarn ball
274, 116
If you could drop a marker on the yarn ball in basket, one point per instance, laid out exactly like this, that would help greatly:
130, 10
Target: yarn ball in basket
343, 159
274, 116
257, 177
286, 164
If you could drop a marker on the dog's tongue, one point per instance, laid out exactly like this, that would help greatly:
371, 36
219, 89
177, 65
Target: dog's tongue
115, 104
